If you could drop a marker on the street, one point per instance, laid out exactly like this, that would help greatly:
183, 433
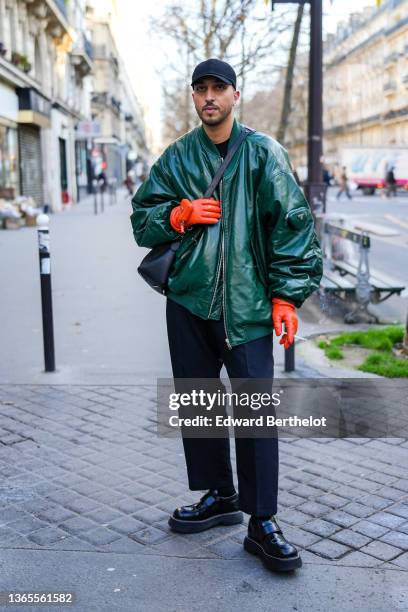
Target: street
387, 222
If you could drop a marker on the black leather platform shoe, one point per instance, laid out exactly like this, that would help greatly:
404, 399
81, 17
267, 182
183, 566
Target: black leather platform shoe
211, 510
265, 539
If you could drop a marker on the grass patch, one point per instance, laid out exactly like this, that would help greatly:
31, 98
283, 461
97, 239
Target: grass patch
333, 352
385, 364
382, 362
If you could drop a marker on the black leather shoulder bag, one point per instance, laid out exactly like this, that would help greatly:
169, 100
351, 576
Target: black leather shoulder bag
156, 266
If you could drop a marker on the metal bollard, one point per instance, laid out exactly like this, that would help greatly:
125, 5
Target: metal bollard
115, 180
101, 191
46, 294
110, 192
290, 358
94, 190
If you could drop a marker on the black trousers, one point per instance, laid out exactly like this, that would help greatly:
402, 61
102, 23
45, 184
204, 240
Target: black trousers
198, 350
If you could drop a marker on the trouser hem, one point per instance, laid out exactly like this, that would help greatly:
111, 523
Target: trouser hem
206, 487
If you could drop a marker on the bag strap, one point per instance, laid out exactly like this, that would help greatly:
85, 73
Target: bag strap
234, 147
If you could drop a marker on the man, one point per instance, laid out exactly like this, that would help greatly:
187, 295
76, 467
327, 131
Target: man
344, 184
247, 260
391, 182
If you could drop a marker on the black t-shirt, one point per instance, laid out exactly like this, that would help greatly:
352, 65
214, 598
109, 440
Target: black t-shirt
223, 148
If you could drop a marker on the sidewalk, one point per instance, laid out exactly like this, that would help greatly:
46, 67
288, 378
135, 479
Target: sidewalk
87, 485
84, 472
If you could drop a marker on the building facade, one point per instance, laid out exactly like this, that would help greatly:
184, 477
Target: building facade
114, 105
65, 111
45, 66
365, 95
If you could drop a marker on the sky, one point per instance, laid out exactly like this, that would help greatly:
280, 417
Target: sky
145, 60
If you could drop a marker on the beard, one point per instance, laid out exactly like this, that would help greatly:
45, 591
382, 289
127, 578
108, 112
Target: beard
217, 120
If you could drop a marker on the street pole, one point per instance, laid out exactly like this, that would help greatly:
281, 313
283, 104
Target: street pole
94, 189
46, 293
315, 189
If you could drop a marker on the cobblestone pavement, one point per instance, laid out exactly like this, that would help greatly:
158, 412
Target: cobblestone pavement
82, 469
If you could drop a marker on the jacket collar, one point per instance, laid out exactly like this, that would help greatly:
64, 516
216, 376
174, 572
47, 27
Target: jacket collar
209, 145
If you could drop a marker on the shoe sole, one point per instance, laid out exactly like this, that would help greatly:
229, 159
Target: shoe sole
231, 518
272, 563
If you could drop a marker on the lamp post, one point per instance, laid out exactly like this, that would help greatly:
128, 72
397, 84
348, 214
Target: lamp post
315, 188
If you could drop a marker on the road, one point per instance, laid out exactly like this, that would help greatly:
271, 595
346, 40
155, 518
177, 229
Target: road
389, 241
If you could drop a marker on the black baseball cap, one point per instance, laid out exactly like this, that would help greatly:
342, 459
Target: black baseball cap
215, 68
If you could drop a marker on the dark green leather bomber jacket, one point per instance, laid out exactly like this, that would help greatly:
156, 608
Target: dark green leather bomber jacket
265, 239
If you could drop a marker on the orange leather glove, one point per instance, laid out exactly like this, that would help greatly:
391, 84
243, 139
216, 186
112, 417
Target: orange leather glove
203, 210
284, 312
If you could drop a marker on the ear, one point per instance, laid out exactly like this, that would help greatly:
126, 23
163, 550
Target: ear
237, 95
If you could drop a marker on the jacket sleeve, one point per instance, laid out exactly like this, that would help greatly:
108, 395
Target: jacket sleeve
152, 204
293, 254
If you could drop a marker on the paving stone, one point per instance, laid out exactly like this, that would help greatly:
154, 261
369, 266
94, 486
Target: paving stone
55, 514
332, 500
381, 478
306, 491
401, 561
126, 525
372, 530
47, 535
391, 493
129, 505
300, 537
100, 536
294, 517
81, 504
321, 527
77, 525
344, 519
359, 510
348, 492
104, 515
314, 508
150, 497
7, 535
358, 559
403, 528
396, 538
228, 549
380, 550
376, 502
26, 525
149, 535
11, 513
288, 499
387, 520
329, 549
400, 509
350, 538
401, 484
106, 496
151, 515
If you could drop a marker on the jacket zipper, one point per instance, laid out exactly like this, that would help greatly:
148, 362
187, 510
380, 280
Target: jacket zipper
218, 265
224, 312
221, 260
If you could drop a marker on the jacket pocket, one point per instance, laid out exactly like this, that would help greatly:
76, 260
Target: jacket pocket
298, 218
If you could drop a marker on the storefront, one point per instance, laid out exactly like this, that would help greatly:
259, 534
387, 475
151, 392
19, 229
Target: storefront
34, 114
85, 132
9, 161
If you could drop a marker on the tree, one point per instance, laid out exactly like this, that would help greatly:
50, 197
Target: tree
287, 96
239, 31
